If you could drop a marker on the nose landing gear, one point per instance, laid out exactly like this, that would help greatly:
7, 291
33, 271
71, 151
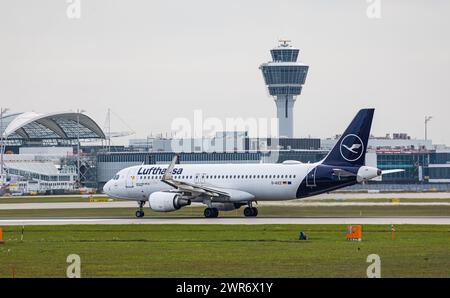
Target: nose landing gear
250, 211
140, 212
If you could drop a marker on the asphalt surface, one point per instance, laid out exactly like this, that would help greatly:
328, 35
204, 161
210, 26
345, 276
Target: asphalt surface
132, 204
332, 195
436, 220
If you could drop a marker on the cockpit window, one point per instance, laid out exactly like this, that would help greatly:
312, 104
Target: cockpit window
116, 177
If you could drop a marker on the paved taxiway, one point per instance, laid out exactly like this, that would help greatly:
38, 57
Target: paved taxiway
436, 220
332, 195
95, 205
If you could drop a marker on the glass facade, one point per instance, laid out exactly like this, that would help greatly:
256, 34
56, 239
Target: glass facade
284, 55
284, 74
34, 130
64, 126
439, 172
32, 175
72, 129
160, 157
282, 144
414, 164
440, 158
291, 90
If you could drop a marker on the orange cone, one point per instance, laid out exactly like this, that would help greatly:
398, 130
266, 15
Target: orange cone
1, 236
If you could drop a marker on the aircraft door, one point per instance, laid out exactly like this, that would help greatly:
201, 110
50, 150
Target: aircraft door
311, 177
130, 180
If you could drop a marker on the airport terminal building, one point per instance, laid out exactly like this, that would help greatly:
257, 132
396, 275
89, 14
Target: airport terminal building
53, 153
40, 157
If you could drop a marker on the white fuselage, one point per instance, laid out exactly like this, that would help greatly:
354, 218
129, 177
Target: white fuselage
263, 181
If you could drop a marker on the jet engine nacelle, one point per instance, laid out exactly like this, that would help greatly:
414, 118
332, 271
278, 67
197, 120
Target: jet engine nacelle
366, 173
167, 201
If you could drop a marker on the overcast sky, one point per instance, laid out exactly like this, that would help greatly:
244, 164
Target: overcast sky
152, 61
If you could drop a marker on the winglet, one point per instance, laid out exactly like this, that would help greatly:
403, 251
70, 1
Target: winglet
168, 174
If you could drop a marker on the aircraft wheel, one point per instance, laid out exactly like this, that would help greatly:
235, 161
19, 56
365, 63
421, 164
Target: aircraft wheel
208, 212
139, 213
211, 212
248, 211
216, 212
255, 212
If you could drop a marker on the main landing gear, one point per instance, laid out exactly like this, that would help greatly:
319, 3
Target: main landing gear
250, 211
140, 212
211, 212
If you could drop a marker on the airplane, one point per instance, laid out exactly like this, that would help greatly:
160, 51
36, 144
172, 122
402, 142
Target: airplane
225, 187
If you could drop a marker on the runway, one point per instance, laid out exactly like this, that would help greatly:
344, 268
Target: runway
333, 195
435, 220
132, 204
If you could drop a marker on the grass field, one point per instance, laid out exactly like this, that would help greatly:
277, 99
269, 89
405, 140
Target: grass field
224, 251
267, 211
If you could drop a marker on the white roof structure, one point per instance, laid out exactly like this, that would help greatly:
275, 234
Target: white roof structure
36, 126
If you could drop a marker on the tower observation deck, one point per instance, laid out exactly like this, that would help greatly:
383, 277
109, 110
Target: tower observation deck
284, 78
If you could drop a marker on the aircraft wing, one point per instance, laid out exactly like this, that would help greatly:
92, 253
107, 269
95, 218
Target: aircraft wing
194, 189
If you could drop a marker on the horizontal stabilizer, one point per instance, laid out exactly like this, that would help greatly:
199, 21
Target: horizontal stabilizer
385, 172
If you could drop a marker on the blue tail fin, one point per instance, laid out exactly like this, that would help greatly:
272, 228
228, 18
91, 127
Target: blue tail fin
350, 150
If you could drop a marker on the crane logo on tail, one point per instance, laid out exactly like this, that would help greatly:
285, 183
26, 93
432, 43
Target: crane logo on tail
352, 147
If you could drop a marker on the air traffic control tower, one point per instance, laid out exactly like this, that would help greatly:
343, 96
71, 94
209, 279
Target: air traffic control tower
284, 78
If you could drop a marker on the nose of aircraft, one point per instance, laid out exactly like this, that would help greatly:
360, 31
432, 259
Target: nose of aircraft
107, 188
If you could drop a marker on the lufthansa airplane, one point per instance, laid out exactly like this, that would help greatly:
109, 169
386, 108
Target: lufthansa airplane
224, 187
